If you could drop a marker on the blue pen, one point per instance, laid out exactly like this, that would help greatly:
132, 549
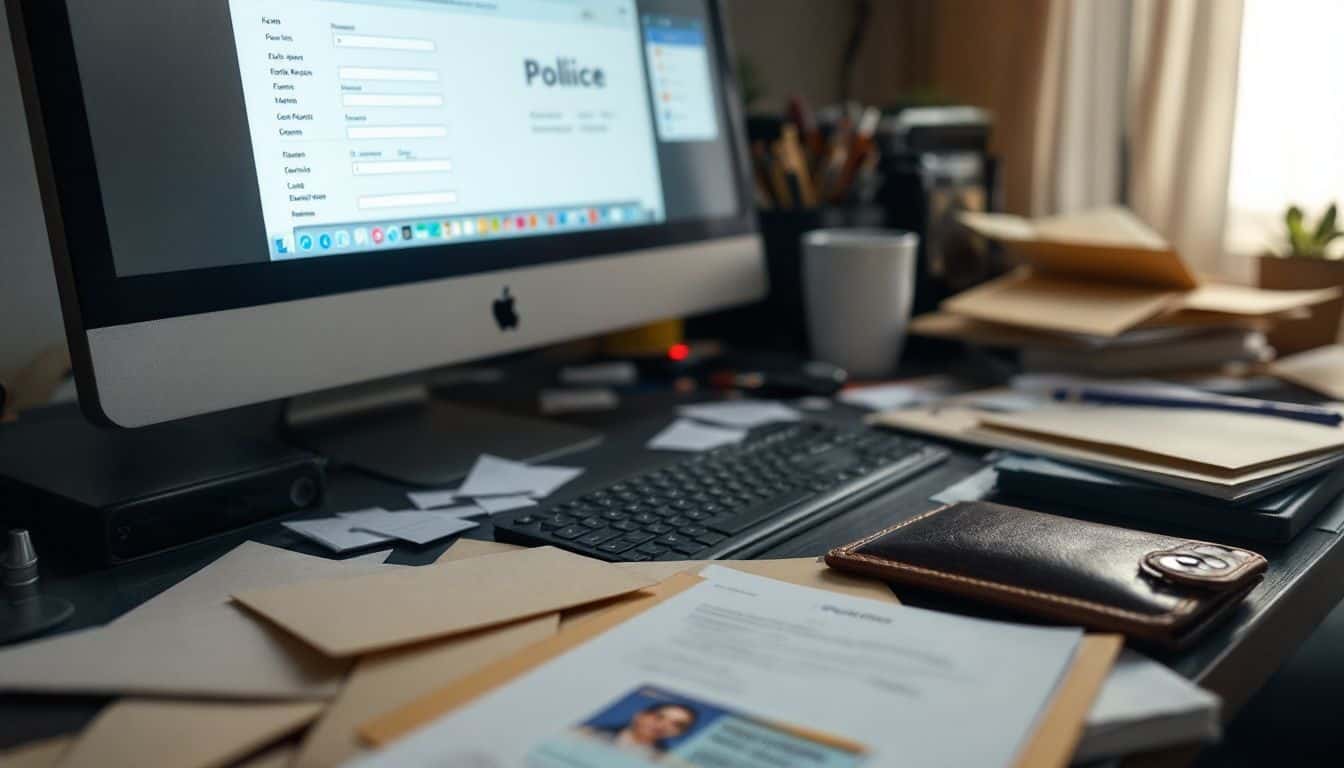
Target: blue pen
1294, 411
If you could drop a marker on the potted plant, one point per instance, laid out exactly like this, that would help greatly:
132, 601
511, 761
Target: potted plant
1306, 263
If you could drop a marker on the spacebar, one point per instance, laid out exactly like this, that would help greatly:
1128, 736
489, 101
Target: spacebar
737, 522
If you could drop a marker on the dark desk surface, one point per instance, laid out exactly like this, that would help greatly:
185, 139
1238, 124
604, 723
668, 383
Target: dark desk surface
1305, 579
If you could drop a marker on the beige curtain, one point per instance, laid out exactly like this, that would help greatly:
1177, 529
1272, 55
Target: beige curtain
1082, 110
1182, 105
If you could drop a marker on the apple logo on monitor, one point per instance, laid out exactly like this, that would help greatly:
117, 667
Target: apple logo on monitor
505, 315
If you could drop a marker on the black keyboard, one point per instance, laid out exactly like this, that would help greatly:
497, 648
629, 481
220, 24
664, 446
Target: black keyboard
735, 501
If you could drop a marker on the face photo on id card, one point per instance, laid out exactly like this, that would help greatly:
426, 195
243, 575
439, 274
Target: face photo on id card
655, 726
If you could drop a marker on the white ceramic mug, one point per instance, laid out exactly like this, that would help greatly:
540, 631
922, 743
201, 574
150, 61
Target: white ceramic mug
858, 287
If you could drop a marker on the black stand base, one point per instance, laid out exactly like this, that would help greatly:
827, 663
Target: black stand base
431, 443
31, 617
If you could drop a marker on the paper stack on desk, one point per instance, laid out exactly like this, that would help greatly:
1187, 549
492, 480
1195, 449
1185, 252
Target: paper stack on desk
1229, 456
758, 671
487, 606
1101, 293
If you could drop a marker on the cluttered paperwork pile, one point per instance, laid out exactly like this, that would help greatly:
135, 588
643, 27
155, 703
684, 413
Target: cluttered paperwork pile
1100, 293
497, 653
1228, 456
879, 680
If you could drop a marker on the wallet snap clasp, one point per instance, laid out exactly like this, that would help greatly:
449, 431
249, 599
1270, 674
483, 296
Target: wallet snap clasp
1198, 564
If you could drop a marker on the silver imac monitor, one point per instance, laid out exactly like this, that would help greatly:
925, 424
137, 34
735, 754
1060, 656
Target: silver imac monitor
252, 199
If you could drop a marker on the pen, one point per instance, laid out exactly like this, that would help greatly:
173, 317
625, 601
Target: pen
1309, 413
796, 162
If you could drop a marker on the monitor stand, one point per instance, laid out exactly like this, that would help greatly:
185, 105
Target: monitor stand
402, 433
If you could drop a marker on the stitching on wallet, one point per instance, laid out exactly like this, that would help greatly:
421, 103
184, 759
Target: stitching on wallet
1182, 608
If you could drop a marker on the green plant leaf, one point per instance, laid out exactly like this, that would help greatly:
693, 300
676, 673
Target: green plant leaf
1293, 217
1326, 226
1292, 220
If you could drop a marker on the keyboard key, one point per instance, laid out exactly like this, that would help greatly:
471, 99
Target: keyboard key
572, 532
694, 531
683, 544
689, 547
637, 537
615, 547
624, 525
740, 520
678, 521
645, 518
710, 538
658, 528
652, 550
594, 538
524, 520
592, 522
614, 514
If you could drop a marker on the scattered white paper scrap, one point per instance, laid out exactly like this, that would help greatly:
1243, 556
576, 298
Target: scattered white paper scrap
886, 397
973, 488
741, 414
611, 374
553, 401
687, 435
496, 504
415, 526
468, 510
371, 515
432, 499
335, 533
493, 476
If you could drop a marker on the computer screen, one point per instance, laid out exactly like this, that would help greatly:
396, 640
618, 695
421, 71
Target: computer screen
379, 125
254, 199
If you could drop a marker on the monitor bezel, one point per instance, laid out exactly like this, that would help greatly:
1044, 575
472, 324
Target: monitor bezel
82, 251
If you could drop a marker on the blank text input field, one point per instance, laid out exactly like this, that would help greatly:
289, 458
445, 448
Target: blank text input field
396, 131
392, 100
388, 74
408, 200
384, 167
381, 42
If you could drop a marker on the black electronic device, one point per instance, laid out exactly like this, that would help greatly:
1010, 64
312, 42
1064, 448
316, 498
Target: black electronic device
935, 165
109, 496
735, 501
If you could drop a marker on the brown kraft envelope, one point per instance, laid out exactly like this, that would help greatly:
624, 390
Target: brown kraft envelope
397, 607
1052, 744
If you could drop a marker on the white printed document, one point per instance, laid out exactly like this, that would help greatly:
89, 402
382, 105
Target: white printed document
746, 671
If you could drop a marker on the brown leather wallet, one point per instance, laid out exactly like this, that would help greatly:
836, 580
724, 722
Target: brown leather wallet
1155, 589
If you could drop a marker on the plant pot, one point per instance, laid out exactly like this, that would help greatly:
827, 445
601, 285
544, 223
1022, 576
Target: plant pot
1297, 273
